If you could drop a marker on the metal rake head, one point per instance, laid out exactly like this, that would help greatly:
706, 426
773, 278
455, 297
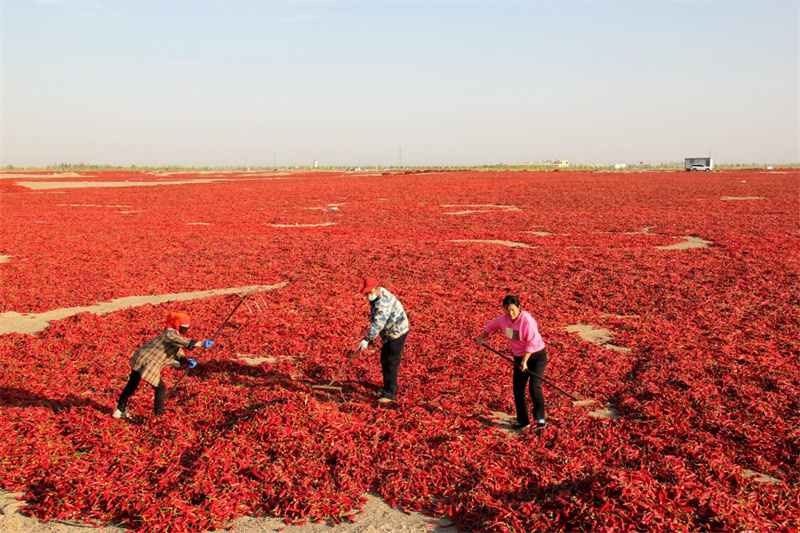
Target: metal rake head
254, 301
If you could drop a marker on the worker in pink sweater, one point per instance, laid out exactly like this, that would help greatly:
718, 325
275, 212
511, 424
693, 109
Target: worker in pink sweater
530, 355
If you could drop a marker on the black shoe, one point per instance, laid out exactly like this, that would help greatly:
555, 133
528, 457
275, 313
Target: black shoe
519, 426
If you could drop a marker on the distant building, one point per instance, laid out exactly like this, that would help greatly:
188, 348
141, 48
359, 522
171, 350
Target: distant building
620, 166
560, 163
698, 163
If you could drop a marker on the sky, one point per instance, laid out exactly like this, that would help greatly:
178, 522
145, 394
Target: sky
262, 84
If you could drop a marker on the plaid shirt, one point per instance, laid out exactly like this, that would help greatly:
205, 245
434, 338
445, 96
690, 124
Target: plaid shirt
162, 350
387, 316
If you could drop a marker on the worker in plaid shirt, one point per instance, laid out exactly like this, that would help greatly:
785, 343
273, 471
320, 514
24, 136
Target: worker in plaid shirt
388, 320
165, 349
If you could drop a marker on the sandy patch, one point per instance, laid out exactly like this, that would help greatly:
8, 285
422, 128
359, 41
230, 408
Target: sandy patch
760, 478
609, 411
193, 223
497, 206
43, 176
690, 242
375, 517
12, 322
504, 421
590, 333
297, 225
729, 198
12, 521
255, 360
616, 348
5, 258
493, 208
599, 336
643, 231
95, 184
329, 207
93, 205
542, 233
511, 244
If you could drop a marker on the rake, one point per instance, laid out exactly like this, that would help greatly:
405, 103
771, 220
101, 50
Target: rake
241, 301
330, 387
576, 402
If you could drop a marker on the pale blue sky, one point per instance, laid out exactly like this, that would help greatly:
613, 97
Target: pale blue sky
356, 83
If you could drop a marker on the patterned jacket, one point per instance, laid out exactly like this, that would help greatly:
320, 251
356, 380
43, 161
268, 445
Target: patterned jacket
162, 350
387, 316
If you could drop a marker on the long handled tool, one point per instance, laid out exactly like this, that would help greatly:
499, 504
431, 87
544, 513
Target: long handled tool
214, 336
330, 387
575, 399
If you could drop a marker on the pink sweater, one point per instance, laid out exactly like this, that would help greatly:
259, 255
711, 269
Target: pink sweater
522, 334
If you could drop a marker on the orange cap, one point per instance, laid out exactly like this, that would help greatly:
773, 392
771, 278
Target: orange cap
176, 320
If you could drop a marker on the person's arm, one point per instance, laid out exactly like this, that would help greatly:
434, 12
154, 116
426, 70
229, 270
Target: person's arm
378, 321
490, 328
524, 364
175, 339
527, 334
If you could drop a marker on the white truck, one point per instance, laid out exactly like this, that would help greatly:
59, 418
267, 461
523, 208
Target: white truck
695, 164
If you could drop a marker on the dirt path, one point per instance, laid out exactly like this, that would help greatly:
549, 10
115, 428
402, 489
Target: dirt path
298, 225
41, 185
493, 208
375, 517
689, 242
599, 336
510, 244
12, 322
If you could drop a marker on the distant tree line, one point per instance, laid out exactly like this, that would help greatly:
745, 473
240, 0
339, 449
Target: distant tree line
61, 167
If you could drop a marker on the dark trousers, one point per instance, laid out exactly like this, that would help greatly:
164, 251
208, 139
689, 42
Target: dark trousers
536, 364
391, 352
133, 384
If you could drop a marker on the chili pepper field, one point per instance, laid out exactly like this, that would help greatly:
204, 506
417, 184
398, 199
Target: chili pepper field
696, 277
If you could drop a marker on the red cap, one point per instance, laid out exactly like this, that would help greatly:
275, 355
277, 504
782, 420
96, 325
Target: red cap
176, 320
369, 284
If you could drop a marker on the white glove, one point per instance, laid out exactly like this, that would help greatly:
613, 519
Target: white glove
362, 346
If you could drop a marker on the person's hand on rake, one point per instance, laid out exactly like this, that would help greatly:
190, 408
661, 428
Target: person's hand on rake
186, 363
362, 346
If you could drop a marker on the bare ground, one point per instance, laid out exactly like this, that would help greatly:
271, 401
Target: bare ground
13, 322
375, 517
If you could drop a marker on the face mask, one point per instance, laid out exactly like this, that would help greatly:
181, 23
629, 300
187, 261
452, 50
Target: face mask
372, 297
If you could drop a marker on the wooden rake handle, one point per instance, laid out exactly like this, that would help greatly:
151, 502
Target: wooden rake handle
559, 389
214, 336
344, 366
